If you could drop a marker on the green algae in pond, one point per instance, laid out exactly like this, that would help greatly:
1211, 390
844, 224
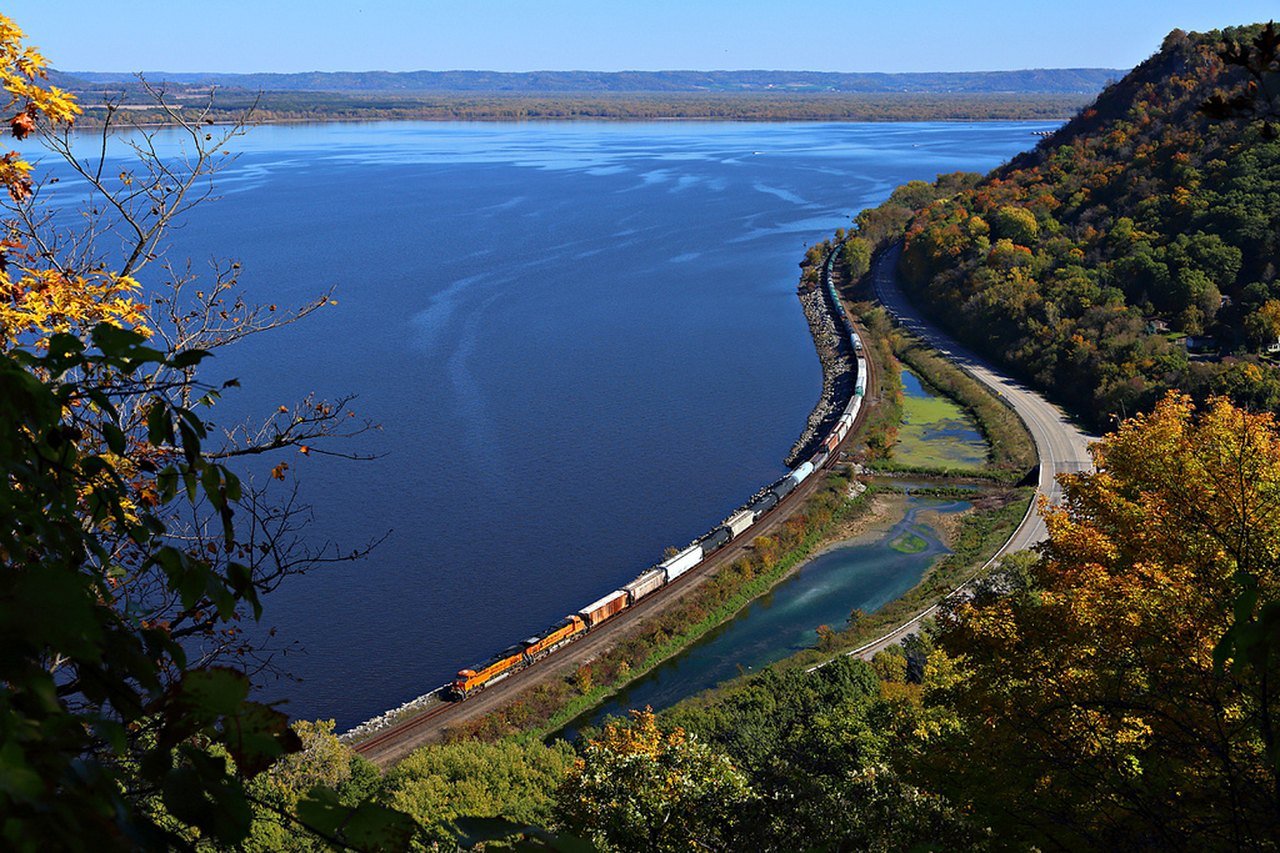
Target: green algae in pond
935, 432
909, 543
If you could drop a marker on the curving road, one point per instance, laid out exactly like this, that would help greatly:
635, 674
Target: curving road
1060, 445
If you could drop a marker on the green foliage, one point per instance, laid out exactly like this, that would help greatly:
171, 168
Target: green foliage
1119, 691
437, 785
815, 747
109, 730
1141, 211
60, 502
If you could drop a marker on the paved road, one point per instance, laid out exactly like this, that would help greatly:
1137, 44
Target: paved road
1060, 444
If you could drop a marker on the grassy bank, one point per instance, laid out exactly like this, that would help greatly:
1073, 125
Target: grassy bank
550, 705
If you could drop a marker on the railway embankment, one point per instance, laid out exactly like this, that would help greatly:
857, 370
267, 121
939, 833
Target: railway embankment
839, 366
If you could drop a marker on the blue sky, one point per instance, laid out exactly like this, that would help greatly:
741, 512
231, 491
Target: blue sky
610, 35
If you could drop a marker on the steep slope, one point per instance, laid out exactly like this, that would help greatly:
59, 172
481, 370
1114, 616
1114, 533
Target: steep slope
1084, 263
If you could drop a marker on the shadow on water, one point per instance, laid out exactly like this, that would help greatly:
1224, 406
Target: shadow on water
822, 592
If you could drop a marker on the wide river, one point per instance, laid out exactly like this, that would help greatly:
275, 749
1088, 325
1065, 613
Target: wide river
581, 341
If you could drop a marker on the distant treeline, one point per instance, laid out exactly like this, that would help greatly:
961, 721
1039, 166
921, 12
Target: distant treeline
1086, 81
331, 106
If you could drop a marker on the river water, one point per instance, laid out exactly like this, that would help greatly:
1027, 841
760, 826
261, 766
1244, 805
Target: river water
581, 341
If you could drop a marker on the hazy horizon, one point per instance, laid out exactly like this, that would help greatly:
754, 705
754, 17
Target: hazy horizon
930, 36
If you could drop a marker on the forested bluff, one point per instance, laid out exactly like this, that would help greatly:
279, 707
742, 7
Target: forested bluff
1112, 691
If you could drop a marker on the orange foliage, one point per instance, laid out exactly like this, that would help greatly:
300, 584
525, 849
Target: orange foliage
1093, 700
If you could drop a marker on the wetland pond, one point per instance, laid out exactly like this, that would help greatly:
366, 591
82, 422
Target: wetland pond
863, 575
935, 432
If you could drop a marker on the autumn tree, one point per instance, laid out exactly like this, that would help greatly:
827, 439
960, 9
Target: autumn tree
1099, 703
130, 553
637, 787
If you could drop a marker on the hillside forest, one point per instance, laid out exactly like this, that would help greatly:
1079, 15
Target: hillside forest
1133, 251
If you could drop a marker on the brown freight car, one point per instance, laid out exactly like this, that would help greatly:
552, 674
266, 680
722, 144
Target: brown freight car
602, 609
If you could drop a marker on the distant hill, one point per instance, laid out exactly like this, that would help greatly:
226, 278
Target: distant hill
1040, 80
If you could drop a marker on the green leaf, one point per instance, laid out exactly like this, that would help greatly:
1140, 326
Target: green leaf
159, 424
114, 437
364, 827
257, 735
188, 358
215, 691
204, 796
113, 340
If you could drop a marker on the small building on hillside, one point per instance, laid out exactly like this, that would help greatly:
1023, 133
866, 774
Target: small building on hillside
1200, 344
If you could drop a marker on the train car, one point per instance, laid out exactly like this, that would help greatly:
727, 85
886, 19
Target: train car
855, 341
536, 648
648, 582
682, 562
800, 473
831, 442
783, 487
493, 670
716, 539
819, 459
762, 504
860, 386
739, 522
604, 608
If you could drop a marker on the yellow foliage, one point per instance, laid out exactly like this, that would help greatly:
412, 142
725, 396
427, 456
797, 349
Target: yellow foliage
37, 300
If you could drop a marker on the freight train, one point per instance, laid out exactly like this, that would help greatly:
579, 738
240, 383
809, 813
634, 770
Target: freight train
511, 660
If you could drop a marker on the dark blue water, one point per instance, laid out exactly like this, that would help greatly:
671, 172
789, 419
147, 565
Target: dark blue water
824, 591
581, 341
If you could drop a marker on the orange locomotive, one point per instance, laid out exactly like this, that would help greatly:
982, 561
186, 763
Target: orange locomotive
517, 657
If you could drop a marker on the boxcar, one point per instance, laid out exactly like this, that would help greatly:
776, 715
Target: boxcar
601, 609
648, 582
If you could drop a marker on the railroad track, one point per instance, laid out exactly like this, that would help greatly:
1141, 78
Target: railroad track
426, 726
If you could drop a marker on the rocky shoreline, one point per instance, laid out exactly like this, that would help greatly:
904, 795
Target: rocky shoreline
838, 369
